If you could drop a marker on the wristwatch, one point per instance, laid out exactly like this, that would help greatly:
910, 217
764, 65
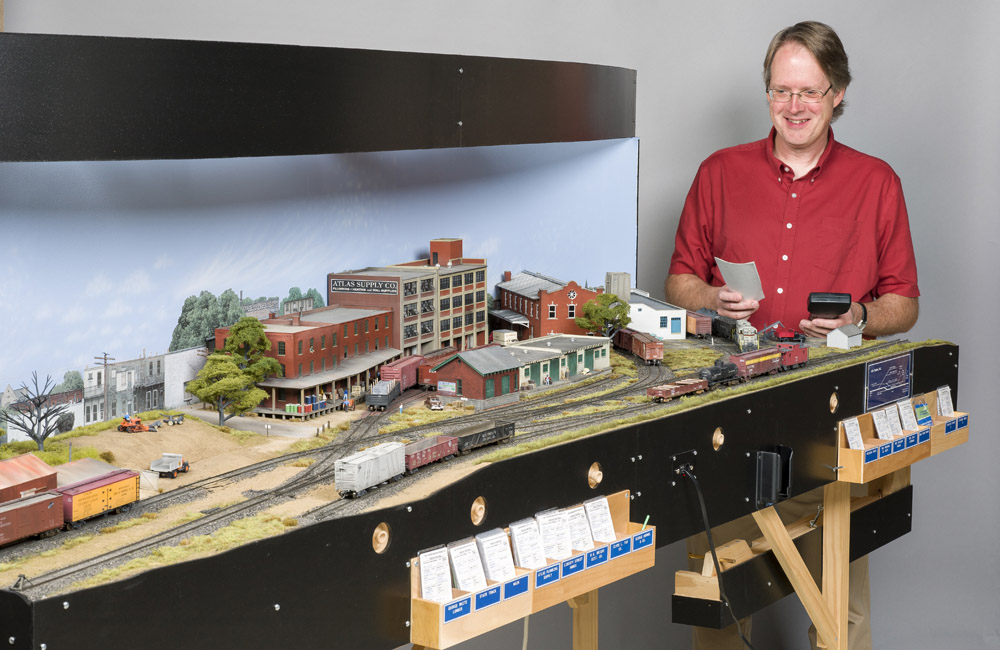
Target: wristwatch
864, 317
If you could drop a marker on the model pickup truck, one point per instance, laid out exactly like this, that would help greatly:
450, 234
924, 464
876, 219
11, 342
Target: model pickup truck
170, 465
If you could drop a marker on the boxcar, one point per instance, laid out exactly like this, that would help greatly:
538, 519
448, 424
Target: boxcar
698, 324
24, 475
484, 434
382, 394
759, 362
623, 339
429, 450
403, 370
355, 474
115, 491
647, 347
427, 379
38, 514
667, 392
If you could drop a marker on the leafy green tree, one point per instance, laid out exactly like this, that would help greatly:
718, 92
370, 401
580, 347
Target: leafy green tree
604, 315
33, 414
317, 298
228, 379
201, 315
72, 380
295, 293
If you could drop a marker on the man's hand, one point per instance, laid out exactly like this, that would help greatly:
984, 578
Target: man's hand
820, 327
731, 303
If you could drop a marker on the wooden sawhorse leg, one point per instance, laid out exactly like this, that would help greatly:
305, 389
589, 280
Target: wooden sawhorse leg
828, 610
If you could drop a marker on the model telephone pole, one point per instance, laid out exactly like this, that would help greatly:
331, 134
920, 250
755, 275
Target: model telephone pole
104, 358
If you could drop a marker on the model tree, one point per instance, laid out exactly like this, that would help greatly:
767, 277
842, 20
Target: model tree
34, 413
295, 293
72, 380
604, 315
228, 379
201, 315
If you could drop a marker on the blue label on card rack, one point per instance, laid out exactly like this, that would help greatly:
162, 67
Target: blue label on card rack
911, 440
871, 454
923, 435
546, 576
621, 547
515, 587
642, 539
573, 565
457, 609
884, 450
488, 597
951, 426
597, 556
899, 444
963, 421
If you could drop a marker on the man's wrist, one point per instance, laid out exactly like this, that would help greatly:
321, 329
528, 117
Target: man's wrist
862, 320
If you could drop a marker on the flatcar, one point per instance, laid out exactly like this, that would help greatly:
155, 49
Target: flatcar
643, 345
429, 450
382, 394
354, 475
37, 515
667, 392
484, 434
699, 324
403, 370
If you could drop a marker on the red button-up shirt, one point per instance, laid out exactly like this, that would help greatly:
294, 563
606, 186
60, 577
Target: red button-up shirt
840, 228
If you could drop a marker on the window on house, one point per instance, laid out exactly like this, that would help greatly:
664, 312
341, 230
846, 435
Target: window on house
300, 370
355, 328
366, 326
312, 368
552, 311
322, 342
571, 311
312, 345
300, 346
355, 349
281, 348
157, 366
664, 321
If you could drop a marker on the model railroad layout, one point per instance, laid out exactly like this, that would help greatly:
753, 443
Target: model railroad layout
539, 417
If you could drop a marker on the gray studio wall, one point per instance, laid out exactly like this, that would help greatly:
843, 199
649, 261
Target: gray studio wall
924, 98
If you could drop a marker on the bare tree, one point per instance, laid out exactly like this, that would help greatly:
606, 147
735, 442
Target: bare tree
33, 414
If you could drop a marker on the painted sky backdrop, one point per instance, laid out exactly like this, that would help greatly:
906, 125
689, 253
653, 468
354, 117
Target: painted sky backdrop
99, 256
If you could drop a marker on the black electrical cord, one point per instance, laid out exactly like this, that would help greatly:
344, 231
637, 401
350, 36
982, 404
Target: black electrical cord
715, 559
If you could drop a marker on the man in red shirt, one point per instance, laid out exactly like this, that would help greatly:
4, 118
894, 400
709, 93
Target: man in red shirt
814, 215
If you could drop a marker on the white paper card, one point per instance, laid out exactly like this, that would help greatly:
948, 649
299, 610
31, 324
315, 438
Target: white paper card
494, 548
741, 277
881, 425
435, 575
527, 544
466, 565
602, 528
553, 525
945, 405
579, 529
853, 431
907, 415
892, 415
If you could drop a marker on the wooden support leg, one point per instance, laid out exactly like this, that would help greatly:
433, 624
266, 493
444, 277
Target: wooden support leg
798, 574
584, 621
836, 556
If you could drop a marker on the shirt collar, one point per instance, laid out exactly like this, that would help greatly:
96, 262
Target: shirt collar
780, 166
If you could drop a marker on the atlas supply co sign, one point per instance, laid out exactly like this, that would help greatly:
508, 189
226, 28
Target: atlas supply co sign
385, 287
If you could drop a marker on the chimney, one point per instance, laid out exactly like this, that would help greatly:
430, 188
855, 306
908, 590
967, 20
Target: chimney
506, 276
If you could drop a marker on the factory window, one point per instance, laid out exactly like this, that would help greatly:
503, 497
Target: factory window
283, 373
426, 306
445, 304
376, 323
480, 276
468, 298
333, 340
387, 341
552, 311
427, 327
387, 321
312, 345
114, 408
571, 311
322, 364
409, 331
468, 278
409, 310
300, 346
456, 302
355, 328
480, 316
150, 367
376, 344
355, 349
322, 342
366, 326
427, 285
456, 280
445, 283
445, 324
300, 370
345, 330
664, 321
410, 288
281, 348
468, 318
480, 296
456, 322
366, 347
157, 366
312, 367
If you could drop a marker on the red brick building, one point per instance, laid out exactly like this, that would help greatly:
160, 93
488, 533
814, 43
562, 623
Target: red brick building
324, 351
486, 376
536, 305
437, 302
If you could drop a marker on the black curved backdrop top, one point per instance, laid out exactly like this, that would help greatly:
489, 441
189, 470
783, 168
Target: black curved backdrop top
102, 98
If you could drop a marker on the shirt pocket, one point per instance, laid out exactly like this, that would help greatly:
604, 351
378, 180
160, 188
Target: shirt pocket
833, 245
